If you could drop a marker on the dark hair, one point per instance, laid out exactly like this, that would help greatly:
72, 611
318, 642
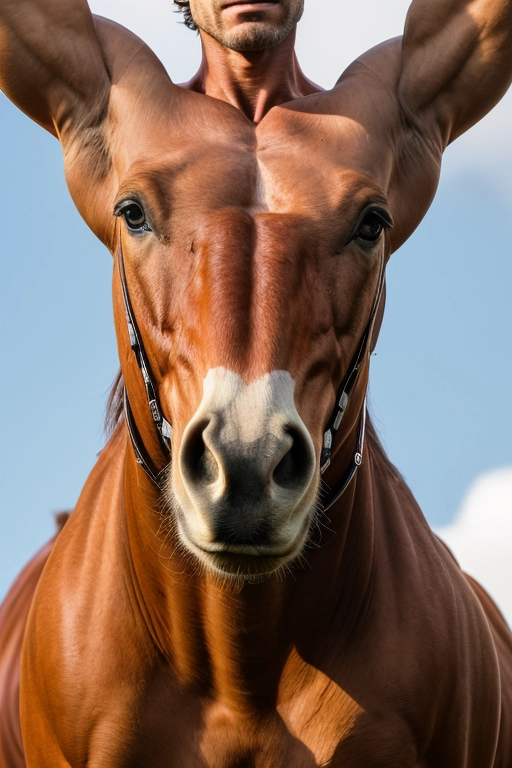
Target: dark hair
184, 7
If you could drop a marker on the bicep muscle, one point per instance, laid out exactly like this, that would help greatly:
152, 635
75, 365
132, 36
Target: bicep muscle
51, 63
457, 61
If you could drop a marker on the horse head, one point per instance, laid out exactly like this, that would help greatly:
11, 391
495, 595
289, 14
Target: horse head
250, 319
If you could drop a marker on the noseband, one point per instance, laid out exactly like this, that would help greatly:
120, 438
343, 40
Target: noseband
164, 429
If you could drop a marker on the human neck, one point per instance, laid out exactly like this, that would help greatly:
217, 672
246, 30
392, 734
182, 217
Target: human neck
253, 82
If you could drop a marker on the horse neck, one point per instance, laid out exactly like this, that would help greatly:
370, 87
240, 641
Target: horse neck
232, 638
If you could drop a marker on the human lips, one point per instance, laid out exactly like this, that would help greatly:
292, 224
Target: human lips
248, 6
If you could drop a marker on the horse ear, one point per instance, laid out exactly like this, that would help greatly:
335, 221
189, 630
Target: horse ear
379, 315
61, 519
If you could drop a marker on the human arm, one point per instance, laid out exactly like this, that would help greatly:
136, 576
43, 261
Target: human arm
51, 63
456, 62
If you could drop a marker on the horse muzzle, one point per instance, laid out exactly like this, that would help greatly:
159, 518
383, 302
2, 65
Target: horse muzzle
246, 477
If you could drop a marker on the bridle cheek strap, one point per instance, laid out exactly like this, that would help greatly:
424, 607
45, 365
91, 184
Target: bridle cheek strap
352, 467
162, 426
141, 455
342, 401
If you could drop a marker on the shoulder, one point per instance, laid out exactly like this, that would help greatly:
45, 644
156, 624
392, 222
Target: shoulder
84, 623
374, 74
138, 85
371, 89
120, 47
383, 62
442, 656
375, 78
367, 92
426, 622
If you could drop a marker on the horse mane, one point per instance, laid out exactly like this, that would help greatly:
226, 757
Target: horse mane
115, 405
382, 462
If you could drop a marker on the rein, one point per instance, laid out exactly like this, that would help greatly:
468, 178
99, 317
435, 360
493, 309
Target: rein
164, 429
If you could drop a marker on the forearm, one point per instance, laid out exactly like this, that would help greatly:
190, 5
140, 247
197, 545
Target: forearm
457, 59
50, 58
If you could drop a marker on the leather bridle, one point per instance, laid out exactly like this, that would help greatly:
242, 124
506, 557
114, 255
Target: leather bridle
162, 426
164, 429
342, 400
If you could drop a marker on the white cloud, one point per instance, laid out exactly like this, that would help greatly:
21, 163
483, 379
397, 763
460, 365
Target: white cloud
481, 535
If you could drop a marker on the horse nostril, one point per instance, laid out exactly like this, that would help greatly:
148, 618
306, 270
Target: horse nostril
294, 468
197, 461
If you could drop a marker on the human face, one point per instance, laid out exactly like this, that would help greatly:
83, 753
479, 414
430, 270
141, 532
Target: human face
243, 25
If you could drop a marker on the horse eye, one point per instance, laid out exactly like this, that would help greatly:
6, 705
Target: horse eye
134, 217
371, 227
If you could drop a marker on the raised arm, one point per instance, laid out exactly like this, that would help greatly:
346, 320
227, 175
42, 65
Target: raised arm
457, 61
51, 63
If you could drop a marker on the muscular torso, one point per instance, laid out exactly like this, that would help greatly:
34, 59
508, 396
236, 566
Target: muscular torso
200, 154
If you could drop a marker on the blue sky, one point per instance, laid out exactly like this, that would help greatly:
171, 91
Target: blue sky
440, 383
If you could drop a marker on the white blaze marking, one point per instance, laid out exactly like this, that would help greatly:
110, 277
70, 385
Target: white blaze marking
236, 417
248, 409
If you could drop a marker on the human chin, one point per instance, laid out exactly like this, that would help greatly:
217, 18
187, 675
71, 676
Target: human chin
248, 26
253, 36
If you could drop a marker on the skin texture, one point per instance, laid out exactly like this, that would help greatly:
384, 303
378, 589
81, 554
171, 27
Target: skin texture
13, 617
260, 31
256, 188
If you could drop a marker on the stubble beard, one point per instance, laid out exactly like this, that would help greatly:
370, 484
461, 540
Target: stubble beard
255, 36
